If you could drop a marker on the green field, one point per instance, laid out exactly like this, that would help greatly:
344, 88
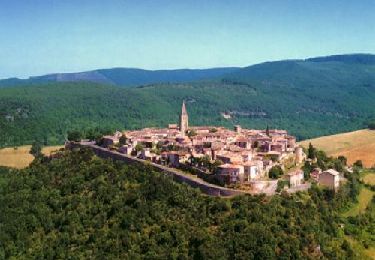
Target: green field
364, 199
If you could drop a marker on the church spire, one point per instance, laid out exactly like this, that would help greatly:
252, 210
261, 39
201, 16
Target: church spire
183, 110
184, 119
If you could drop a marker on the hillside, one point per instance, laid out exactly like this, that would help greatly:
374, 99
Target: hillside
357, 145
308, 98
125, 77
79, 206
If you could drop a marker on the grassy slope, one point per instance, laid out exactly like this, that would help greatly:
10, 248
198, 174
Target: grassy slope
357, 145
364, 199
20, 157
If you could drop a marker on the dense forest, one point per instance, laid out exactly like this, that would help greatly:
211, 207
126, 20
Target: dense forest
75, 205
308, 98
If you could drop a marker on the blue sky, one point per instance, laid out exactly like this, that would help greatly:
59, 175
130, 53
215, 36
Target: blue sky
40, 37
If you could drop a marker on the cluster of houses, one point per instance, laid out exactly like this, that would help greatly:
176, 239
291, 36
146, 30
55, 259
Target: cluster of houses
238, 156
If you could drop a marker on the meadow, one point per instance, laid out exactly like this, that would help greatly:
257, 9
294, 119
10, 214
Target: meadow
357, 145
19, 157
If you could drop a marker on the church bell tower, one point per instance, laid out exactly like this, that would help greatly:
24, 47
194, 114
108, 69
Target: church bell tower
184, 119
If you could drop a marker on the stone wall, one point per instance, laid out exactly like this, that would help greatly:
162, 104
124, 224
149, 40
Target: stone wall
205, 187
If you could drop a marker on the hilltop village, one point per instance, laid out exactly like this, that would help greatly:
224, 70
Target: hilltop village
238, 158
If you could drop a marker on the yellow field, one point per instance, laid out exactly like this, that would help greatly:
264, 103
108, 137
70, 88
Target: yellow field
357, 145
20, 157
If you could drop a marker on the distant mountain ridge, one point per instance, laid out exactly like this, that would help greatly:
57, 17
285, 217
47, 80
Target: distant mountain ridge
346, 58
126, 77
130, 77
319, 72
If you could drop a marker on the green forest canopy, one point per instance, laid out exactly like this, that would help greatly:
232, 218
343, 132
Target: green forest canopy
79, 206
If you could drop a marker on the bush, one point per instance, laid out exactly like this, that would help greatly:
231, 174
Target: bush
275, 172
358, 164
75, 136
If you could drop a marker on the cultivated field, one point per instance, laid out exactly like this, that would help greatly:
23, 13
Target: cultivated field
19, 157
357, 145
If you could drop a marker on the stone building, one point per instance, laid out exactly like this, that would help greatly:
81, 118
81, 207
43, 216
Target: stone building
330, 178
230, 173
294, 178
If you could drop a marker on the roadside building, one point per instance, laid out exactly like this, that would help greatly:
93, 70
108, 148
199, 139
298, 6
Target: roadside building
330, 179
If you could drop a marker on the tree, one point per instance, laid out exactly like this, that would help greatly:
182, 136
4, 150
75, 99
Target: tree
343, 160
216, 164
371, 126
139, 147
311, 152
74, 136
36, 149
275, 172
205, 160
213, 130
191, 133
93, 134
307, 169
122, 140
358, 164
338, 165
268, 131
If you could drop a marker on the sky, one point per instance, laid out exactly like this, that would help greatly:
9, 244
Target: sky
39, 37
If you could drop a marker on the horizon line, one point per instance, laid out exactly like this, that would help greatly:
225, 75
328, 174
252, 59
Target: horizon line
186, 68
